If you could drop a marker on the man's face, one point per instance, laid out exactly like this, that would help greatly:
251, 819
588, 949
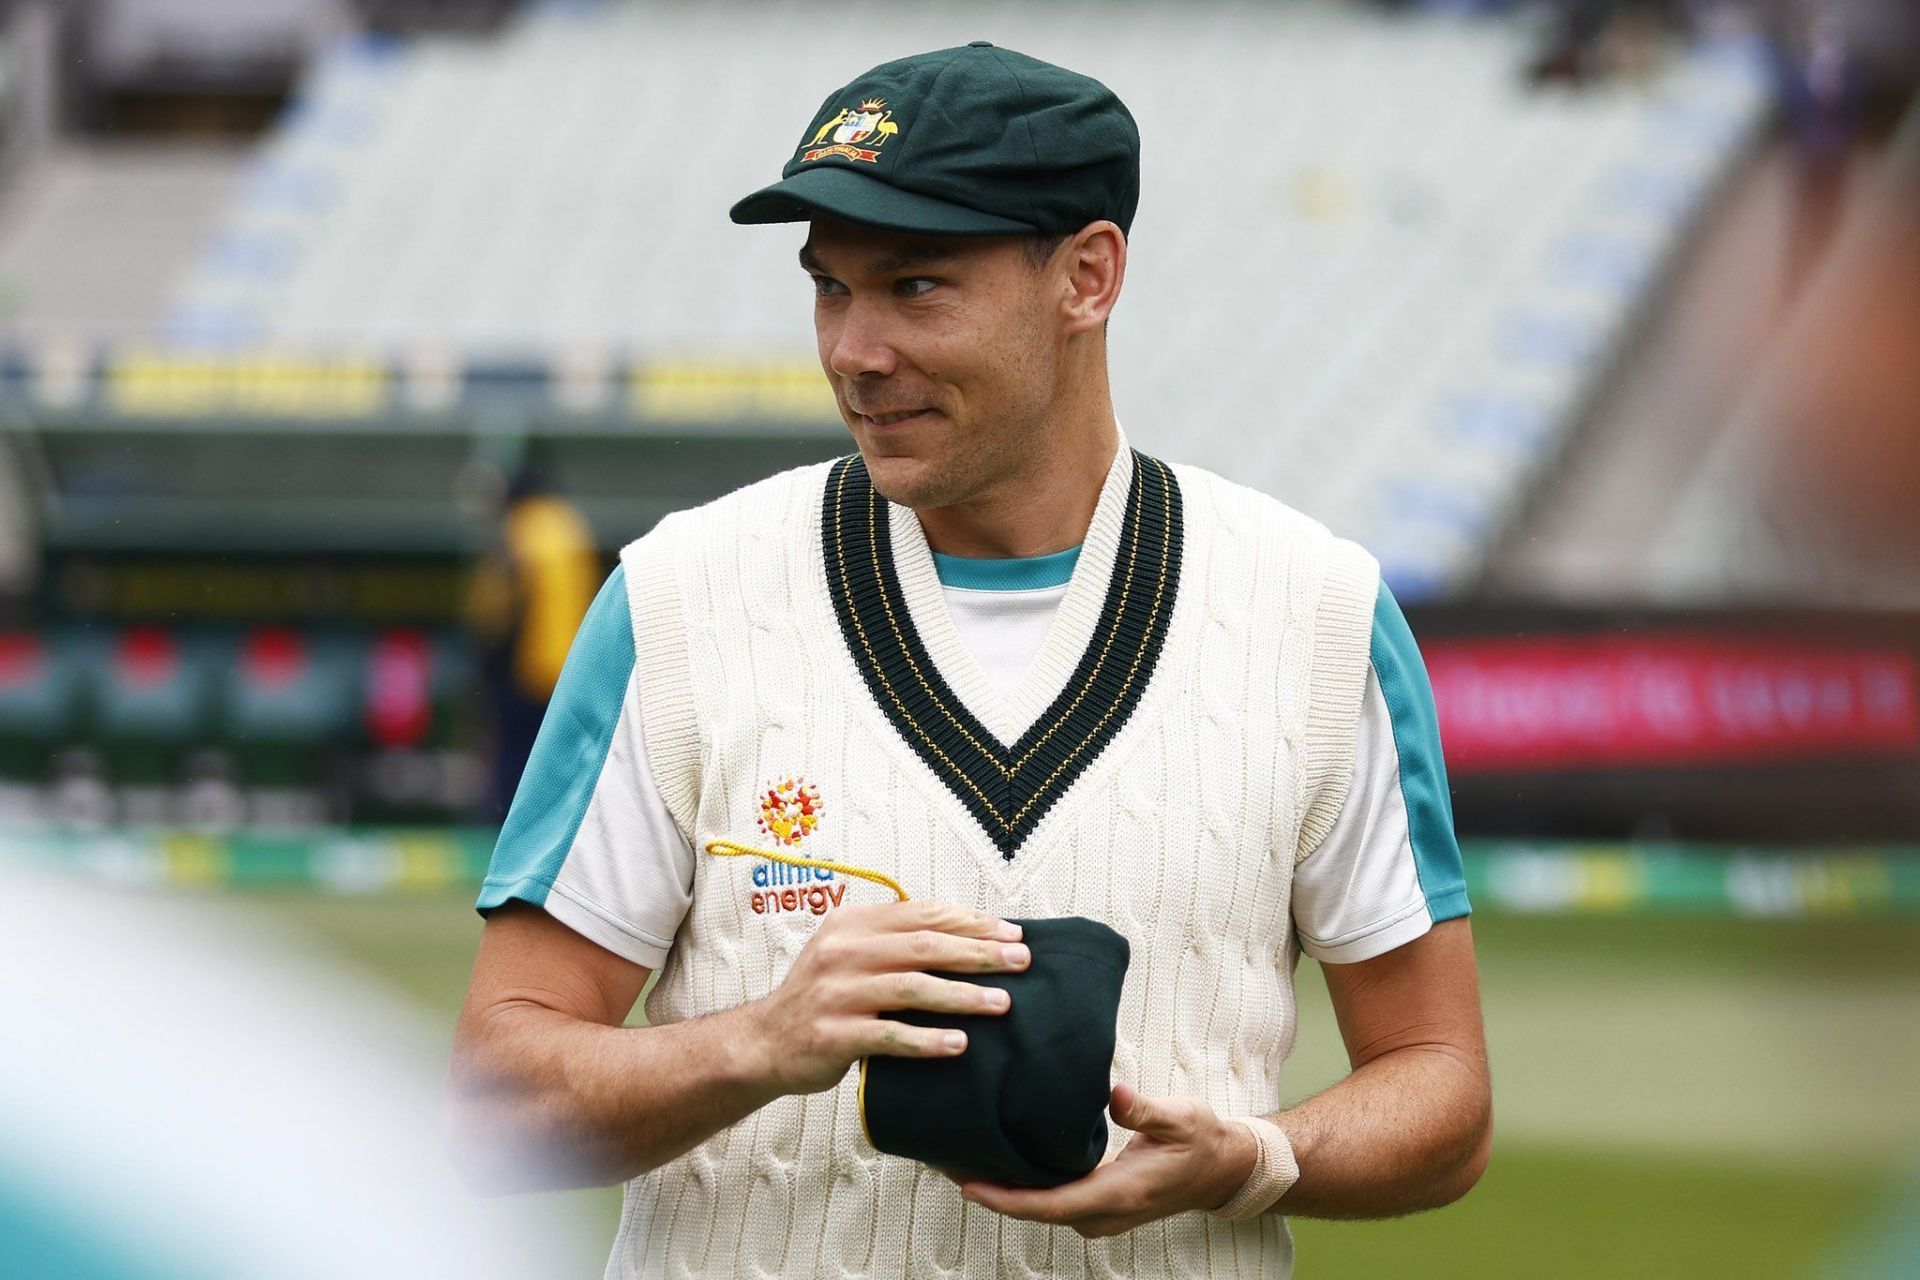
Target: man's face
942, 352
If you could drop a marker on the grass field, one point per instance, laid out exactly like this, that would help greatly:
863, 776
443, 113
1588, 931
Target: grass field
1674, 1097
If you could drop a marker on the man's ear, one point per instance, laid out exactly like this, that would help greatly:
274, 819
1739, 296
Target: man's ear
1093, 263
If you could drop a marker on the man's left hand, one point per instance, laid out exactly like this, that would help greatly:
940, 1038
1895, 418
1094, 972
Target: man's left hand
1181, 1156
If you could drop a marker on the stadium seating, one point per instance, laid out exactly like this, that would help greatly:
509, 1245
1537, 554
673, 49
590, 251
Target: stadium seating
1374, 274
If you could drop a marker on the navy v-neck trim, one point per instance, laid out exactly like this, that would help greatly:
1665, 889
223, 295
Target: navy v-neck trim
1007, 789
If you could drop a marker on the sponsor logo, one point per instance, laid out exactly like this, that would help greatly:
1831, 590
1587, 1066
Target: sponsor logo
871, 121
790, 810
779, 887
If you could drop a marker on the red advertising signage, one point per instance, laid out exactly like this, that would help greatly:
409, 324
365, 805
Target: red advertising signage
1678, 697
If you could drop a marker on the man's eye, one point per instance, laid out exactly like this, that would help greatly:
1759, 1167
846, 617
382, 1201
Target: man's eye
826, 287
914, 286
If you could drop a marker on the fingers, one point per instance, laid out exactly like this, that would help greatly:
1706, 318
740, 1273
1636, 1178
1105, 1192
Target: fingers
926, 913
936, 995
1091, 1227
922, 936
851, 956
867, 960
931, 949
1174, 1117
1108, 1191
1131, 1109
1049, 1207
899, 1040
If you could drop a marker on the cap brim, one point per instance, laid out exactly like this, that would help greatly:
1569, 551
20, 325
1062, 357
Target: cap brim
839, 192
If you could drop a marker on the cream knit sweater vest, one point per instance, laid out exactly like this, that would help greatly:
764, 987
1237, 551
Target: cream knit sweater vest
1182, 833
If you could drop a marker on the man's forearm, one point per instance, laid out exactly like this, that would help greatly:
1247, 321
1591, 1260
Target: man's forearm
543, 1100
1409, 1130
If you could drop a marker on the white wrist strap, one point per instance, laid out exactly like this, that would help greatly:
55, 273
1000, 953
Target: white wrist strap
1274, 1170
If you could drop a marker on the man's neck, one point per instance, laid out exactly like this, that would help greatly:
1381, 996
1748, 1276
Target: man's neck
1044, 509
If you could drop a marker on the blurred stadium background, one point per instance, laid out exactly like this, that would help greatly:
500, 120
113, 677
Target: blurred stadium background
342, 343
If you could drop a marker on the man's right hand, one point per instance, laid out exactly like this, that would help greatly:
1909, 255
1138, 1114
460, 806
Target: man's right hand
867, 960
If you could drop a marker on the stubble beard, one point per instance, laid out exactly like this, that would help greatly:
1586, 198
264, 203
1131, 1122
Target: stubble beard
985, 460
954, 480
976, 467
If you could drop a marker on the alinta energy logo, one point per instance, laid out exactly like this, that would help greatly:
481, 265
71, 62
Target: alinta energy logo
850, 127
789, 812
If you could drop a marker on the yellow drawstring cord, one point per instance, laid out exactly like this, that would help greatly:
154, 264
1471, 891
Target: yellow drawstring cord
731, 849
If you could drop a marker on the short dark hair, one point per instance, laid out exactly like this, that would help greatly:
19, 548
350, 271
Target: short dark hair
1039, 248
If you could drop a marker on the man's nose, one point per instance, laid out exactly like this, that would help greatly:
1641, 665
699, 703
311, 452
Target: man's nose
860, 344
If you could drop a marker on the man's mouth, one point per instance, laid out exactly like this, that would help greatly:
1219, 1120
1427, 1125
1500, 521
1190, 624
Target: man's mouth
890, 419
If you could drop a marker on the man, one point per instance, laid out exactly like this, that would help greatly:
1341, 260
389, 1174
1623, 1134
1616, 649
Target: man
526, 601
1022, 670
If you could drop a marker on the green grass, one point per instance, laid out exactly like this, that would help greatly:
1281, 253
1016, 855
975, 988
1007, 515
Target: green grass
1674, 1097
1571, 1213
420, 946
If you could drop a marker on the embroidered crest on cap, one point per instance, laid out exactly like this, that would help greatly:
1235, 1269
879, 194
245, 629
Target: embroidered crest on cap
851, 126
789, 810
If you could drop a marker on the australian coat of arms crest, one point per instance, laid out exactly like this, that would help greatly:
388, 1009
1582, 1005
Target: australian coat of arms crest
851, 126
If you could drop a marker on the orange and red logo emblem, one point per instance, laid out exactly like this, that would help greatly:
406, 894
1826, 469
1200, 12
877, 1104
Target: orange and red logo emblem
789, 810
850, 127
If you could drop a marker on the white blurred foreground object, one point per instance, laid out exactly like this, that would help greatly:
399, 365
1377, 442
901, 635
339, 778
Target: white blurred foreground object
181, 1095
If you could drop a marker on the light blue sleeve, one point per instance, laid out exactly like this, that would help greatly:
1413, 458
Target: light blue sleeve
1388, 869
569, 754
1422, 767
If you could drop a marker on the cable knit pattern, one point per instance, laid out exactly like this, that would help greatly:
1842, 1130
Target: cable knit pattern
662, 670
1349, 586
1182, 835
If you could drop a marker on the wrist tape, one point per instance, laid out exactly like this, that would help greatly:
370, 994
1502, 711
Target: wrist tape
1274, 1170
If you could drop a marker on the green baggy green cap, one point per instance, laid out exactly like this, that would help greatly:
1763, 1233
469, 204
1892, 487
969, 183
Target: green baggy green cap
970, 141
1025, 1104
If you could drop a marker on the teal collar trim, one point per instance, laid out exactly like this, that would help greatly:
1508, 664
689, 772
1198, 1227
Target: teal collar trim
1008, 573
